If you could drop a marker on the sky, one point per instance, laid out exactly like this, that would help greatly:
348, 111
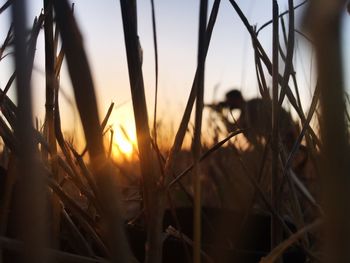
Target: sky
230, 61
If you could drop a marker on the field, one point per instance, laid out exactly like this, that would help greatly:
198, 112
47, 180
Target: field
252, 183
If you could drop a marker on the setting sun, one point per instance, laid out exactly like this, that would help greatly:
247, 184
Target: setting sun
124, 142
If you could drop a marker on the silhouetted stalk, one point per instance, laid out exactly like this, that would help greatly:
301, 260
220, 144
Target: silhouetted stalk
264, 92
110, 143
153, 191
86, 102
5, 6
49, 128
288, 69
83, 244
103, 124
7, 41
197, 145
204, 156
156, 71
324, 21
293, 73
280, 16
179, 137
275, 228
268, 64
7, 87
31, 189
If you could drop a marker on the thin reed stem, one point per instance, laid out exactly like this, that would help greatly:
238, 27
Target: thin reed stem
198, 130
275, 228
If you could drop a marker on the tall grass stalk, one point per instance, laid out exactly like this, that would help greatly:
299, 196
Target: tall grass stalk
324, 22
30, 190
198, 130
153, 191
86, 102
156, 72
49, 115
180, 134
275, 228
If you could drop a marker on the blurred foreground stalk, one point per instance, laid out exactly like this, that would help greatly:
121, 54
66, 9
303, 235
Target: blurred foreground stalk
30, 190
324, 23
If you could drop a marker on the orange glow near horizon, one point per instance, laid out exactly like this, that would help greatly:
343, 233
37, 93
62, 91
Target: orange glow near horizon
124, 141
123, 145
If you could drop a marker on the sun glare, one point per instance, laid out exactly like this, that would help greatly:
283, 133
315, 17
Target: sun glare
123, 145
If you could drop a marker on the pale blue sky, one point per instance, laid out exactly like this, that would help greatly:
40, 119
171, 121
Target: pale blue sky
230, 61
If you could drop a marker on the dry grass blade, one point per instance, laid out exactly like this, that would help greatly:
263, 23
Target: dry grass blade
69, 202
205, 155
156, 71
187, 114
106, 118
280, 15
81, 78
297, 143
280, 248
293, 73
7, 136
31, 52
8, 39
82, 242
103, 124
7, 87
85, 171
276, 231
260, 75
86, 102
109, 154
5, 6
37, 24
197, 143
288, 69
